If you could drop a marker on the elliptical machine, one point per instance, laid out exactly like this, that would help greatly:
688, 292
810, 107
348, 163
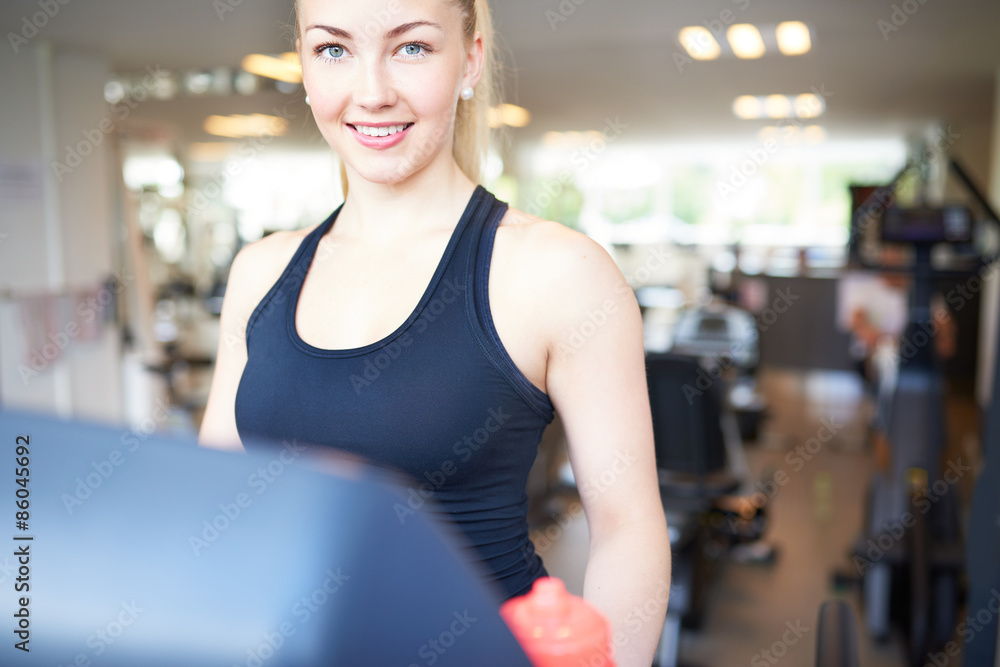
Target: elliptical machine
982, 647
911, 554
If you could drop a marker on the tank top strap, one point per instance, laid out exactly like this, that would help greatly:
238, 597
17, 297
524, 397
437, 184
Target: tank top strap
488, 210
476, 283
290, 281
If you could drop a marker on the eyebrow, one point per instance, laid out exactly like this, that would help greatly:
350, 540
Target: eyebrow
391, 34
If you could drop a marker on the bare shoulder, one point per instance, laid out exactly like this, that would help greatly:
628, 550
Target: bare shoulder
563, 262
555, 274
258, 265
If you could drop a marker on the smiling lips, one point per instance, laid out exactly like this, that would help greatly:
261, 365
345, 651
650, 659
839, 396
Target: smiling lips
380, 130
381, 135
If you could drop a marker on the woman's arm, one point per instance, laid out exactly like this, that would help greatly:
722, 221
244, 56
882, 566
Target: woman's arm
596, 378
250, 277
218, 425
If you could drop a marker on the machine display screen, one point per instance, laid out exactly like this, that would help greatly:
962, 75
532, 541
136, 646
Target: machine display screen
948, 224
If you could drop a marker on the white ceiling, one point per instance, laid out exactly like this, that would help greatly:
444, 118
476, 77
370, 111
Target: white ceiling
610, 58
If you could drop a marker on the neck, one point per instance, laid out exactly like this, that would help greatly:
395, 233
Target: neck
382, 213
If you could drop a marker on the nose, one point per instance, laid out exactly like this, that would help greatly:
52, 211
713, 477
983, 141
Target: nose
373, 87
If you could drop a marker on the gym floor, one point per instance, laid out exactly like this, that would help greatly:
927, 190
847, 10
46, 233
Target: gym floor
814, 520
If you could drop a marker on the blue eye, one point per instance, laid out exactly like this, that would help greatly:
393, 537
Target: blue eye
332, 51
416, 50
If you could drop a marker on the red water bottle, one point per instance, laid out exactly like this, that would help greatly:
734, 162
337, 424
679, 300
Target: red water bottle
558, 629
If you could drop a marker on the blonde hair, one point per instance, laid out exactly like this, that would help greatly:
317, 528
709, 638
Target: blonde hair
471, 140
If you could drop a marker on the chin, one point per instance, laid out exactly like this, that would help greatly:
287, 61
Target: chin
391, 170
391, 173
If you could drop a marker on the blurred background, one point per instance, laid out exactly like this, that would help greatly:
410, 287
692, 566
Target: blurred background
710, 147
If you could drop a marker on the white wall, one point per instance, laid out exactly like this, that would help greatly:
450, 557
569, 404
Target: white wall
56, 232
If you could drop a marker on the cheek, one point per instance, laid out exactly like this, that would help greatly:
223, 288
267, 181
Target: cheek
429, 94
323, 88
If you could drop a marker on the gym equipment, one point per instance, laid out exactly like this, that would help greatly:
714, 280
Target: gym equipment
700, 462
837, 637
147, 550
982, 557
911, 553
724, 337
720, 331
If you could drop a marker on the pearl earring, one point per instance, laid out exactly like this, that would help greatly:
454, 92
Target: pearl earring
468, 93
307, 99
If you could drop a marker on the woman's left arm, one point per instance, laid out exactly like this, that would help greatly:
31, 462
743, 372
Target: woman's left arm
596, 379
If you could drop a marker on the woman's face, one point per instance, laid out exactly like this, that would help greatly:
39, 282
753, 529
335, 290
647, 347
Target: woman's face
389, 68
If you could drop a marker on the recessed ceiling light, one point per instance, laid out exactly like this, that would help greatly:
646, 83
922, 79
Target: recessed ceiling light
793, 38
245, 82
747, 107
809, 105
209, 151
813, 134
114, 91
777, 106
552, 139
197, 83
510, 115
699, 43
285, 67
745, 41
239, 126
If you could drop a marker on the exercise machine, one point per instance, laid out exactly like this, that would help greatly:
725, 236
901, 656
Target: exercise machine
144, 549
982, 558
725, 339
836, 636
911, 554
701, 467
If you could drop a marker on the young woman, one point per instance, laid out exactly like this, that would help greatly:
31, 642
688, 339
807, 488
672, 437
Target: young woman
429, 327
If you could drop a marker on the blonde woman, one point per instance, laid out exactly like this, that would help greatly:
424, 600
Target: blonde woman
429, 327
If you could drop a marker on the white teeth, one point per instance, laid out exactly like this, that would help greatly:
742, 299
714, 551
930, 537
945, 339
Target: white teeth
379, 131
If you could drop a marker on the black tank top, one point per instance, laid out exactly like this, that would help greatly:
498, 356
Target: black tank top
438, 399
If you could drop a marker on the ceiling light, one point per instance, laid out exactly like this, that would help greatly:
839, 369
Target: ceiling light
793, 38
571, 138
552, 139
809, 105
510, 115
245, 82
209, 151
514, 115
777, 106
238, 126
114, 91
806, 105
285, 67
747, 107
197, 83
813, 134
164, 87
699, 43
745, 41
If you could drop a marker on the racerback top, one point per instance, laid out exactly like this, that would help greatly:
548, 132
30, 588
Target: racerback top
438, 399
